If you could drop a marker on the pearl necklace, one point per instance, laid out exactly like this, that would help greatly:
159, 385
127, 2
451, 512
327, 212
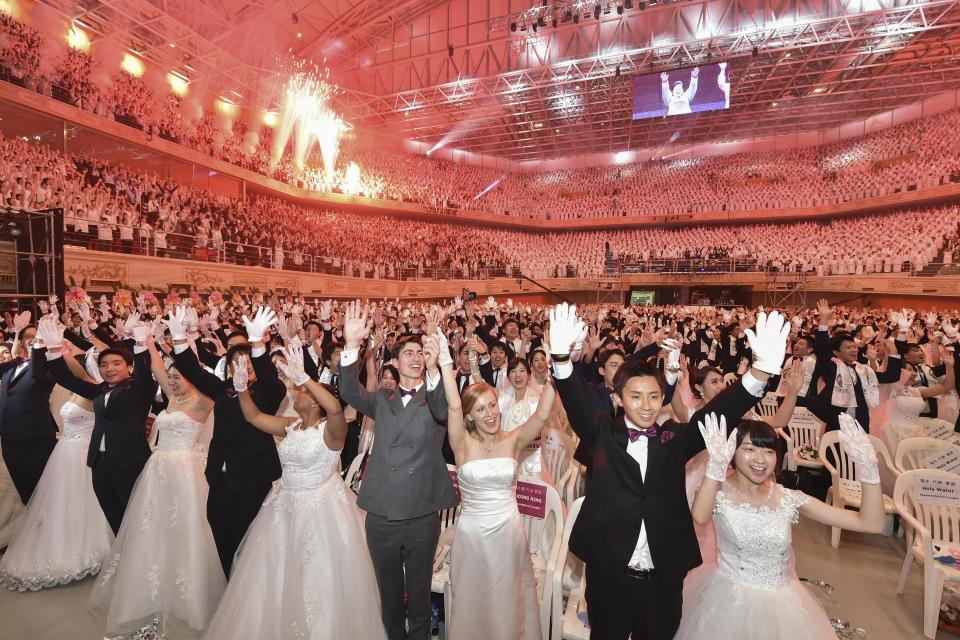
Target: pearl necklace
179, 401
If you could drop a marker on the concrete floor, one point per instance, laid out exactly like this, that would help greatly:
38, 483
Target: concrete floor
863, 571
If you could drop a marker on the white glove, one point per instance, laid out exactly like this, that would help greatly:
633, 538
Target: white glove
326, 310
50, 332
931, 320
240, 374
141, 333
193, 322
293, 370
900, 319
263, 320
176, 323
769, 342
948, 329
491, 303
565, 328
21, 320
132, 321
720, 446
858, 447
443, 358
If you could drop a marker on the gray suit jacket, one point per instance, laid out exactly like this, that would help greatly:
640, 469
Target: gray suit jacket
406, 476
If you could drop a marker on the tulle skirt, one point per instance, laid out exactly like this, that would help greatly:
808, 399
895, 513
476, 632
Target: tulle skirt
302, 571
716, 606
164, 564
63, 535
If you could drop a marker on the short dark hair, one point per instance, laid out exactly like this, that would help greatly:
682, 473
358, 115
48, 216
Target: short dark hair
808, 339
234, 334
326, 351
637, 370
237, 349
838, 339
314, 323
606, 355
499, 344
517, 362
761, 434
393, 371
402, 341
116, 351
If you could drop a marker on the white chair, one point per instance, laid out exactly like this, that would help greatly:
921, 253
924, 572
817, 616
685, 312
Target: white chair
568, 577
573, 484
769, 406
440, 582
805, 431
845, 488
912, 451
556, 452
544, 537
352, 477
935, 522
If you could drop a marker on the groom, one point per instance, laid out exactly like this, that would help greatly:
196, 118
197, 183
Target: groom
406, 482
634, 531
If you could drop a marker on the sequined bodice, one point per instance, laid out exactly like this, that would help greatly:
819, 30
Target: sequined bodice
77, 422
176, 431
488, 485
906, 406
307, 461
753, 543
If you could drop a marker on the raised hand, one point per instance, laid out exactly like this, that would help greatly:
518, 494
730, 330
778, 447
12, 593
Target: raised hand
132, 321
443, 358
948, 329
431, 351
768, 340
293, 369
21, 320
565, 328
262, 321
176, 322
326, 310
356, 325
720, 446
141, 333
793, 378
823, 308
50, 332
858, 447
241, 377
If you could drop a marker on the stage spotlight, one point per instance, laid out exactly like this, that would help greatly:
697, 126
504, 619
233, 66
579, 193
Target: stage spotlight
13, 229
295, 18
513, 27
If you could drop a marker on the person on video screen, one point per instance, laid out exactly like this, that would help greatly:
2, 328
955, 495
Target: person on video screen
678, 100
724, 85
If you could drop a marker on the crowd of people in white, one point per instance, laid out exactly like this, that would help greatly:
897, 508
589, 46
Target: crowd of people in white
913, 155
278, 392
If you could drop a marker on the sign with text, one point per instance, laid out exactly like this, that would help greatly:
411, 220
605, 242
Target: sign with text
943, 491
940, 431
851, 489
943, 460
532, 499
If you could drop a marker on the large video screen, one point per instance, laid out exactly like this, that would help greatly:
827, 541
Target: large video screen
641, 298
671, 93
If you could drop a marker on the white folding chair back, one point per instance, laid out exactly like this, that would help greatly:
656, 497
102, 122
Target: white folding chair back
805, 430
544, 536
573, 484
556, 452
568, 577
351, 478
912, 451
440, 583
768, 406
845, 488
934, 518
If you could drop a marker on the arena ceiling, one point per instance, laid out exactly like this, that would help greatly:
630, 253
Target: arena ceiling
477, 75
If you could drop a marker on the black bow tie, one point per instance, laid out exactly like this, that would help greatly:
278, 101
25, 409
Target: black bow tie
407, 392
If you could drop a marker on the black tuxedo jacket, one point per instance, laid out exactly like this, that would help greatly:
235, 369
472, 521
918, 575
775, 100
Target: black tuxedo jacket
25, 401
249, 453
620, 497
822, 404
123, 418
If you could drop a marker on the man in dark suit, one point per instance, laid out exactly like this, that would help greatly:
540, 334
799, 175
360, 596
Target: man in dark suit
835, 396
634, 531
914, 358
406, 482
28, 432
242, 462
118, 447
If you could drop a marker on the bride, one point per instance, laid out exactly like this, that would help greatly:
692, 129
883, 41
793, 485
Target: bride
302, 570
752, 593
164, 564
491, 574
63, 535
907, 402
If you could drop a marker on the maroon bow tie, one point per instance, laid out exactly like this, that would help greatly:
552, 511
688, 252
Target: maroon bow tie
635, 433
407, 392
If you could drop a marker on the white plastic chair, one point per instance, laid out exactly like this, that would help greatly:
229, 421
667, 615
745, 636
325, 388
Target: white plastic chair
768, 406
845, 488
805, 431
569, 578
440, 583
556, 452
935, 523
912, 451
544, 537
351, 476
573, 484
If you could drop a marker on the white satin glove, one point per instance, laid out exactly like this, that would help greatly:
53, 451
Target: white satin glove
671, 366
856, 443
141, 333
720, 446
293, 370
768, 340
130, 323
565, 328
241, 377
176, 322
949, 331
443, 358
263, 320
50, 332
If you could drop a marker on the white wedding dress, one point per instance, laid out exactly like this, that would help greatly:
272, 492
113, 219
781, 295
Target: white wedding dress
63, 535
753, 593
905, 407
164, 565
491, 574
303, 570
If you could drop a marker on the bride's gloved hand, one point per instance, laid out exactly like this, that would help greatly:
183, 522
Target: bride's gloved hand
720, 446
856, 443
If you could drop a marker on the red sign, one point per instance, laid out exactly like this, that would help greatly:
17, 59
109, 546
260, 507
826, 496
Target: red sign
456, 482
532, 499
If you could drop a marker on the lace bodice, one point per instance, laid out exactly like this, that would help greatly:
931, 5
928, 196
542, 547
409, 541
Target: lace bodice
77, 422
753, 543
906, 405
176, 431
488, 485
307, 461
